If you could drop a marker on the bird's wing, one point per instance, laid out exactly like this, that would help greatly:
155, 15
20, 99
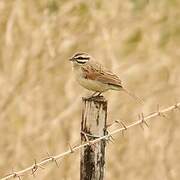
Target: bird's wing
96, 72
100, 74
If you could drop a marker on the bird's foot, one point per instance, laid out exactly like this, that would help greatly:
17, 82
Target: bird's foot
96, 95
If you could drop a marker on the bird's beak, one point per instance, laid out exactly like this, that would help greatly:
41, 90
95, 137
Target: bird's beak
71, 59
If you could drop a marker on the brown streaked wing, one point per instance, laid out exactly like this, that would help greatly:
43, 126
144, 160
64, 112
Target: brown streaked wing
88, 73
101, 75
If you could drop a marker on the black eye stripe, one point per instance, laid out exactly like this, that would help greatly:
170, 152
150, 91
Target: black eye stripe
86, 58
82, 59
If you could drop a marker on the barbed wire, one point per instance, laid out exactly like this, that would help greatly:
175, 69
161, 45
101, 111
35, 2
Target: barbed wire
40, 165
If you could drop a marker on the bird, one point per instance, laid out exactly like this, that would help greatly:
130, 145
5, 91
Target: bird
93, 76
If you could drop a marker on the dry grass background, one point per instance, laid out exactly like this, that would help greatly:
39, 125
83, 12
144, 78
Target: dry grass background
41, 103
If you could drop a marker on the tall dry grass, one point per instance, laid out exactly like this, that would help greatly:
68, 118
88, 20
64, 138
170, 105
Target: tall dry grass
41, 103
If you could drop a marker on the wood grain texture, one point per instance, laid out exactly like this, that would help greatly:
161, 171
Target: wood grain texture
94, 117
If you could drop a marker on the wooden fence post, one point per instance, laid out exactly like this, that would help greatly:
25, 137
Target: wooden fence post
93, 125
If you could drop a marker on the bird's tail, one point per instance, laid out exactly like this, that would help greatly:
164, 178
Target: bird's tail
138, 99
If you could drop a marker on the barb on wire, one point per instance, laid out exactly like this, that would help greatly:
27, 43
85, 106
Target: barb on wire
142, 120
160, 113
71, 148
36, 167
86, 136
15, 175
176, 106
52, 159
124, 128
110, 138
141, 124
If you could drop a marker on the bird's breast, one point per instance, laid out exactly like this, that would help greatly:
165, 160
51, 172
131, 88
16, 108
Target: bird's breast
91, 85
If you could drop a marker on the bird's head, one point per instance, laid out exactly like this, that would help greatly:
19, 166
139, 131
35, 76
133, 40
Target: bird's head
80, 58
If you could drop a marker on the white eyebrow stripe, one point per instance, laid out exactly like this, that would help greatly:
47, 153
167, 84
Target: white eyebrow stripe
82, 60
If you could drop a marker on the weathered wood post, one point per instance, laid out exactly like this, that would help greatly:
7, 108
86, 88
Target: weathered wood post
93, 125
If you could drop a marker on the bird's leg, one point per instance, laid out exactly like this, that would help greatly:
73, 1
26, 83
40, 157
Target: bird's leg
99, 94
94, 94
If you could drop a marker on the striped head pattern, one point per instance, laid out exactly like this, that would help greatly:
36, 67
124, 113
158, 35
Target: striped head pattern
80, 58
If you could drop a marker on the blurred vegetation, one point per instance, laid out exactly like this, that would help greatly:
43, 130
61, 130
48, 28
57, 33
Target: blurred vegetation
41, 103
